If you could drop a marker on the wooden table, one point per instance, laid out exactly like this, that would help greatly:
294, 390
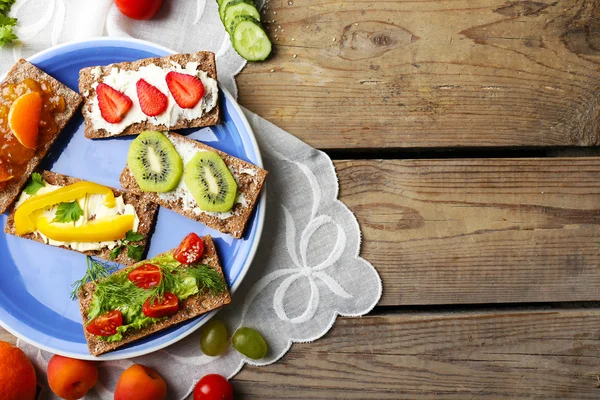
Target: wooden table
464, 134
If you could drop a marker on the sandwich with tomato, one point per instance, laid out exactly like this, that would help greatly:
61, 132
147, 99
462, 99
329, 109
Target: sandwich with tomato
152, 295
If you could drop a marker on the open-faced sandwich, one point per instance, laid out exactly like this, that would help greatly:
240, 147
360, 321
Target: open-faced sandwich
153, 295
83, 216
34, 109
193, 179
174, 92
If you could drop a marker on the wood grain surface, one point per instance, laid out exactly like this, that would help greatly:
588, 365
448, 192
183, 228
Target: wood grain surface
478, 230
521, 354
431, 73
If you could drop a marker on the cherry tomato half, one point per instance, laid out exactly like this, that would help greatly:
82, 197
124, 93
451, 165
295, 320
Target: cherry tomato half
146, 276
213, 387
105, 324
168, 305
190, 250
139, 9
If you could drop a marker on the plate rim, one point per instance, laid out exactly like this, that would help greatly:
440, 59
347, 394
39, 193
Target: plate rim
259, 228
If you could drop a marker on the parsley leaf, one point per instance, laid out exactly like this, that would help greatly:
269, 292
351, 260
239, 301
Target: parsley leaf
114, 253
5, 6
35, 183
68, 212
134, 252
132, 236
7, 34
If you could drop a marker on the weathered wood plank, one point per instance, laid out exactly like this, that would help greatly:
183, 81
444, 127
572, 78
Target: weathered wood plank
541, 354
479, 230
431, 73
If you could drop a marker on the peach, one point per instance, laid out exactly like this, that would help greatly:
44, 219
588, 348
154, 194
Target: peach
139, 382
71, 379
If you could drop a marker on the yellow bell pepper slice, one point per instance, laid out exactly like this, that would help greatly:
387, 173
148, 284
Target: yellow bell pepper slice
101, 230
24, 223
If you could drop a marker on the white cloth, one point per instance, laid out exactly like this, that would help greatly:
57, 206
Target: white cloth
307, 270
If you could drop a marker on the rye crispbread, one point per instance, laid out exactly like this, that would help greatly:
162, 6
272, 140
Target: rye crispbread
145, 209
189, 308
248, 185
21, 70
207, 64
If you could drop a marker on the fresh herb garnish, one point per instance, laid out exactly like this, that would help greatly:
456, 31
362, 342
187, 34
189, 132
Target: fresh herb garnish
133, 251
95, 270
207, 278
7, 35
35, 182
68, 212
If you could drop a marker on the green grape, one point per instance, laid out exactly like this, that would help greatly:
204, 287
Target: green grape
214, 338
250, 343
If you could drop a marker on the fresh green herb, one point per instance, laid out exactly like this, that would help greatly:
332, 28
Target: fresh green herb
133, 251
118, 289
95, 270
207, 278
68, 212
35, 182
7, 35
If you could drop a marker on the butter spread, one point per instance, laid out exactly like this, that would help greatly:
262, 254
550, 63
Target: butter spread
125, 81
93, 208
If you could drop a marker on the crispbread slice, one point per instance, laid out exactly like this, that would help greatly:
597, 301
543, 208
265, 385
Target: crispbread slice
21, 70
189, 308
145, 209
87, 78
249, 177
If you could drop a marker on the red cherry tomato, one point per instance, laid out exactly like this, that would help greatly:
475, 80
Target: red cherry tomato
213, 387
139, 9
105, 324
146, 276
168, 305
190, 250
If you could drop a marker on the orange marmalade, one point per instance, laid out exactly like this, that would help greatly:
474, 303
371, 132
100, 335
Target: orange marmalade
13, 155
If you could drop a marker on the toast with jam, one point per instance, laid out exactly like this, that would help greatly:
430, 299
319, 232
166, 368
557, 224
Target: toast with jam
34, 109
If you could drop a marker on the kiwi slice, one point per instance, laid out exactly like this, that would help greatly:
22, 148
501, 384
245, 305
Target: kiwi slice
210, 182
154, 162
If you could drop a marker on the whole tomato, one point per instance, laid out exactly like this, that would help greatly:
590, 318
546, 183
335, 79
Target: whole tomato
139, 9
213, 387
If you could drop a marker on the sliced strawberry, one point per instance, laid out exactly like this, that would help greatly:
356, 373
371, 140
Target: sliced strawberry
187, 90
113, 104
153, 101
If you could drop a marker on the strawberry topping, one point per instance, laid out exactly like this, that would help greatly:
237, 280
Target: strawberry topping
113, 104
152, 101
187, 90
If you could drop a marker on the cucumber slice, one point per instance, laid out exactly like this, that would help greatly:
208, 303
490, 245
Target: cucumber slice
234, 23
238, 8
223, 7
251, 41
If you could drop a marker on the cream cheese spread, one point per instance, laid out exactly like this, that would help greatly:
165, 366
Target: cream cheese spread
125, 81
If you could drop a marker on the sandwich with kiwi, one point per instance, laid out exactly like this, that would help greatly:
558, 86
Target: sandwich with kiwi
194, 180
152, 295
83, 216
173, 92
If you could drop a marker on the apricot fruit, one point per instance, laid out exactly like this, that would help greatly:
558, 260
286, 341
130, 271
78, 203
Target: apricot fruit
139, 382
17, 375
71, 379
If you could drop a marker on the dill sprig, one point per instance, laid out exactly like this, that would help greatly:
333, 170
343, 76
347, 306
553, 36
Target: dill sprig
207, 278
95, 270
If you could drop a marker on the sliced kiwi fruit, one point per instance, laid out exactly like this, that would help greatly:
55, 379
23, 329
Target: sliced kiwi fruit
210, 182
154, 162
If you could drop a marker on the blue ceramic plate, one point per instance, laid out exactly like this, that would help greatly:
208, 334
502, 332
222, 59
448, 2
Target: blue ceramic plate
35, 279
